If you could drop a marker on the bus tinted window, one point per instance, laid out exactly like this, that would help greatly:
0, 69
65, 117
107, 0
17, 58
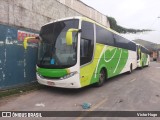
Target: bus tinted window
144, 50
132, 46
87, 43
124, 43
104, 36
87, 31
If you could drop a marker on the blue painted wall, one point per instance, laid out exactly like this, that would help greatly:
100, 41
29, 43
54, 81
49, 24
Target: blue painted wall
17, 66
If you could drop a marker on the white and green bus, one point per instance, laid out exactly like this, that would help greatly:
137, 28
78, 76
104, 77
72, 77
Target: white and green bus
143, 57
77, 52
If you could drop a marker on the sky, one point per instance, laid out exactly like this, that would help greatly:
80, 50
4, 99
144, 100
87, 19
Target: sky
137, 14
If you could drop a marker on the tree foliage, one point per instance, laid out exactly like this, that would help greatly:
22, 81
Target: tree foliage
120, 29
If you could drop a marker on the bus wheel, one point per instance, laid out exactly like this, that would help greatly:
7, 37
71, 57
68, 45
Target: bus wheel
130, 70
102, 78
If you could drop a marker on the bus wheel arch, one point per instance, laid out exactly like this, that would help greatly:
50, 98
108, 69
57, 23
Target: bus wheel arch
103, 74
130, 68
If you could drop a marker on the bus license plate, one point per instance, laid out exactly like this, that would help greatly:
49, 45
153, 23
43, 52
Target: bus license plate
50, 83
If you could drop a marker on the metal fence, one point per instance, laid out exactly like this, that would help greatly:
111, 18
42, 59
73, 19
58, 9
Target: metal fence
17, 66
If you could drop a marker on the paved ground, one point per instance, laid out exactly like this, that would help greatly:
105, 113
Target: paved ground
139, 91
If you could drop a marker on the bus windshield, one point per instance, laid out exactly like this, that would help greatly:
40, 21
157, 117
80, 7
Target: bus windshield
53, 52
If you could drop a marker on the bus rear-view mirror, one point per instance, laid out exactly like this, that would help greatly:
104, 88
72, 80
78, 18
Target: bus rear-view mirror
31, 39
69, 36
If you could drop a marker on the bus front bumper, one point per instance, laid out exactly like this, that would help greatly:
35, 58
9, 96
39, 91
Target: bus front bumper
72, 82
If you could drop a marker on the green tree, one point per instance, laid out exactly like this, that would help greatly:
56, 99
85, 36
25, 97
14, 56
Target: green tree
120, 29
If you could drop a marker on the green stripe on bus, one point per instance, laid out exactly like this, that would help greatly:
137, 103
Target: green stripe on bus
144, 59
111, 58
86, 72
52, 72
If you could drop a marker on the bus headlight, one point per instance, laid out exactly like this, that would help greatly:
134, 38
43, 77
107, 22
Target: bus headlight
69, 75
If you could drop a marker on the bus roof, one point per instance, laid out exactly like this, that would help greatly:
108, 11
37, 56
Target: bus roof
89, 20
62, 19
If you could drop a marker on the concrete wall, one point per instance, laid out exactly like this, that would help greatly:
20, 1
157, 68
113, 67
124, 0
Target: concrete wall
34, 13
87, 11
20, 18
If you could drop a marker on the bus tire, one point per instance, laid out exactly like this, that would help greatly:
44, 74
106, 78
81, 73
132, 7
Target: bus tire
130, 69
102, 78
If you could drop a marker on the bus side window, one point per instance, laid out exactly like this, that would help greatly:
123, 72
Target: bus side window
104, 36
86, 43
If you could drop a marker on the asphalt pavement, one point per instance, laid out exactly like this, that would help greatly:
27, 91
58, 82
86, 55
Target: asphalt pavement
138, 91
